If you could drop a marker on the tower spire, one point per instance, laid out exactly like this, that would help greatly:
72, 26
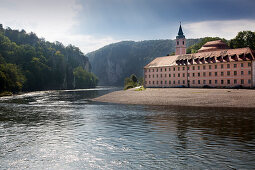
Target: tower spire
180, 42
180, 32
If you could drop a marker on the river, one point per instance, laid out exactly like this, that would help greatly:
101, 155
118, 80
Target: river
65, 130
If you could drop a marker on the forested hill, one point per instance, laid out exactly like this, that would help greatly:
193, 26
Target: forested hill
114, 62
29, 63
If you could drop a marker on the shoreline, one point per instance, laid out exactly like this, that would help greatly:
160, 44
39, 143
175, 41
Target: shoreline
184, 97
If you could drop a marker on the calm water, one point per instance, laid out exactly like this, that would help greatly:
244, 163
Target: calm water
64, 130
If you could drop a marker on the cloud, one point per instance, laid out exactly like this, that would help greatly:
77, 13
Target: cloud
55, 20
225, 28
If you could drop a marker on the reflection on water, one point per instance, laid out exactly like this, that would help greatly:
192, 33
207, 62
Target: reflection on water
65, 130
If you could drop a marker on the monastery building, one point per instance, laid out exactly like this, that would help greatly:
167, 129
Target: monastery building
215, 65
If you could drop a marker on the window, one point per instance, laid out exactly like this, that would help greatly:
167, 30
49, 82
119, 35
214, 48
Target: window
161, 69
198, 74
160, 75
157, 82
204, 67
216, 81
153, 75
165, 82
210, 73
174, 75
157, 70
165, 69
183, 68
193, 74
153, 82
169, 69
222, 66
179, 82
188, 74
183, 75
204, 81
187, 68
228, 73
222, 73
183, 42
198, 67
228, 66
157, 75
249, 72
149, 82
241, 72
173, 82
165, 75
174, 68
235, 65
210, 67
198, 81
177, 42
222, 81
178, 68
249, 81
149, 76
178, 74
204, 74
235, 73
210, 81
235, 81
152, 70
161, 82
183, 81
215, 66
241, 64
216, 73
193, 82
228, 81
169, 81
242, 81
169, 75
249, 64
193, 67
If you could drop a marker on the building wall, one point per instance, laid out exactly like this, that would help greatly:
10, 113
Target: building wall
180, 46
225, 74
253, 73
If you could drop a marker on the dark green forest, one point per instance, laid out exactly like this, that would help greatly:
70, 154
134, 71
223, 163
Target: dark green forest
29, 63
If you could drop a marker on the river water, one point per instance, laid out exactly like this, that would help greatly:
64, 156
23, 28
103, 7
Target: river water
65, 130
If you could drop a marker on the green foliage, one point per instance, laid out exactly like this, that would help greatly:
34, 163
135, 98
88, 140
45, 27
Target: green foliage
44, 65
11, 78
132, 81
243, 39
194, 48
84, 79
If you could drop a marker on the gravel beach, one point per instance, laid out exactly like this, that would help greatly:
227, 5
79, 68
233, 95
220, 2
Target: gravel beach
241, 98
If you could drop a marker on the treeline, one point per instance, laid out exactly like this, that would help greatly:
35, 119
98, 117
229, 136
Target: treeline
30, 63
242, 40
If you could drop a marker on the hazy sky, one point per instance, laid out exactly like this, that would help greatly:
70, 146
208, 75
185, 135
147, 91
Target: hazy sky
91, 24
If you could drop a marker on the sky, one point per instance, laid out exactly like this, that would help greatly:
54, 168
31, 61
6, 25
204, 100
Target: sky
92, 24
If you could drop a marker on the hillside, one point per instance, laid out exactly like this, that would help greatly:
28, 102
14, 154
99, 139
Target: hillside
28, 63
112, 63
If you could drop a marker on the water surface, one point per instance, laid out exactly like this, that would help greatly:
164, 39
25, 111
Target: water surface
65, 130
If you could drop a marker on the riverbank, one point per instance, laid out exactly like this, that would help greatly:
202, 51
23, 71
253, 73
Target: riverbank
241, 98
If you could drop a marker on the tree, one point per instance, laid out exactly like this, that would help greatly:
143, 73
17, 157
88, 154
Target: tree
243, 39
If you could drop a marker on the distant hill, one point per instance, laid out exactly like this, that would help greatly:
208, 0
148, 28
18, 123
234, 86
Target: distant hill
112, 63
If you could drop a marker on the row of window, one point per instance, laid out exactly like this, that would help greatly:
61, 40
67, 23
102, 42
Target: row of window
195, 67
204, 82
235, 73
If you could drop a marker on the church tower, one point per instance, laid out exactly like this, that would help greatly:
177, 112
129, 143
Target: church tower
180, 43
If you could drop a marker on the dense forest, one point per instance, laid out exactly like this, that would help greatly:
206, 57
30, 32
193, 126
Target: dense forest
29, 63
114, 62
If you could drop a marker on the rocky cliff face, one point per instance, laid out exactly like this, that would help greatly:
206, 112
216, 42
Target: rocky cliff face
114, 62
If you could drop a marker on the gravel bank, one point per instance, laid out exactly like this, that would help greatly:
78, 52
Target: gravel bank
243, 98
